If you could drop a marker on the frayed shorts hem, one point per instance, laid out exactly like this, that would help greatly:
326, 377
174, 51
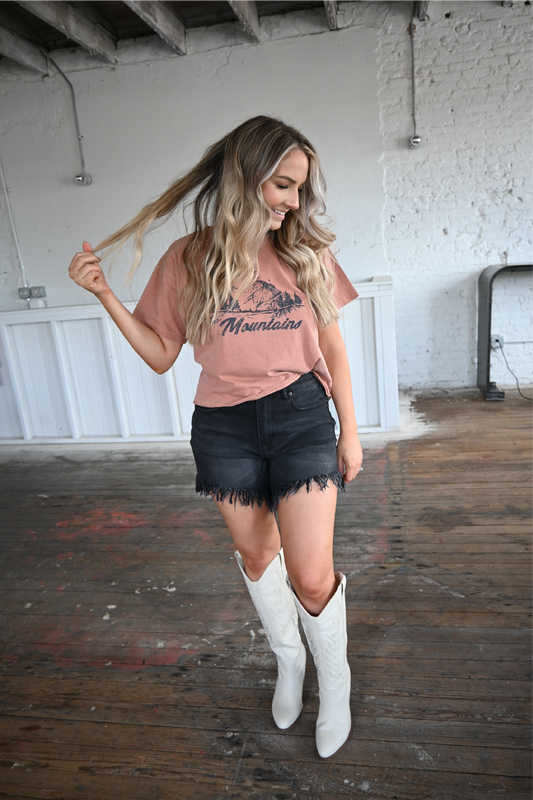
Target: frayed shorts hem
251, 497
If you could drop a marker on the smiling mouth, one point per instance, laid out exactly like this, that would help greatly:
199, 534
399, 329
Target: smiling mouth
279, 213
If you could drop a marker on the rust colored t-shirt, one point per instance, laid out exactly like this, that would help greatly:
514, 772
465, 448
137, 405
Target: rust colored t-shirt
259, 343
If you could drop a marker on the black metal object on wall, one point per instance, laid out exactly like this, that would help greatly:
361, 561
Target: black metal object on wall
485, 282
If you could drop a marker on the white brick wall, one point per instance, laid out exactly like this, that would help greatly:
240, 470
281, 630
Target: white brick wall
462, 201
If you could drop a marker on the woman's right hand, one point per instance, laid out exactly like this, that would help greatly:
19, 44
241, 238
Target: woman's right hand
85, 270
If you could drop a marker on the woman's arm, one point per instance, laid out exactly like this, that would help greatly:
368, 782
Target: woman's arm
157, 352
350, 454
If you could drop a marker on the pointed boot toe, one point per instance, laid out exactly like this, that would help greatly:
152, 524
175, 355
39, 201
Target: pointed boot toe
287, 702
331, 737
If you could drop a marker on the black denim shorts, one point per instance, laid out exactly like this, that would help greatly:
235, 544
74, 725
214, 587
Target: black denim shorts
265, 450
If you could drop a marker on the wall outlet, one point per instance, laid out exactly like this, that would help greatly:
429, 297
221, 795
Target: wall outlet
28, 292
496, 341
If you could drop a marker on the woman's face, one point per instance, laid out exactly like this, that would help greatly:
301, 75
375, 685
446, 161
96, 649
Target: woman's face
281, 191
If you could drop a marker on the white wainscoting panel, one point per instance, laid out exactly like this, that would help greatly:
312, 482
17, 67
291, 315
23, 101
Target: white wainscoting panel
67, 374
87, 366
10, 427
144, 398
33, 359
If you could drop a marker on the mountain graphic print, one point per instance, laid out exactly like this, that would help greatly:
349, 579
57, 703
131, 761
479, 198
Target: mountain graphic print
261, 300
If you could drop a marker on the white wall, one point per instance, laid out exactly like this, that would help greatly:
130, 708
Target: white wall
432, 218
145, 121
462, 202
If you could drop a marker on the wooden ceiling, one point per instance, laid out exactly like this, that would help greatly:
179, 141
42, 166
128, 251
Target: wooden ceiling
31, 29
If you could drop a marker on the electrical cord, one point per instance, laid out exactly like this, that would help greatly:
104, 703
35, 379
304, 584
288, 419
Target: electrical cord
514, 376
84, 178
413, 77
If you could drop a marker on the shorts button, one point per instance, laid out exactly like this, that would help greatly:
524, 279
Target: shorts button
290, 394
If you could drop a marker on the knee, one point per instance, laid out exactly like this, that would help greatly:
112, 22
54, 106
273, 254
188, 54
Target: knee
256, 561
314, 590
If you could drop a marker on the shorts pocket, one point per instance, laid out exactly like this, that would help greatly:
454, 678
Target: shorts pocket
307, 395
207, 409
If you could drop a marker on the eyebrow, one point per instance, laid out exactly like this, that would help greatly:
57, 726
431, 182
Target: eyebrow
286, 178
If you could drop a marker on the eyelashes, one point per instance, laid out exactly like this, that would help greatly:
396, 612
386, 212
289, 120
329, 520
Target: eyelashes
278, 186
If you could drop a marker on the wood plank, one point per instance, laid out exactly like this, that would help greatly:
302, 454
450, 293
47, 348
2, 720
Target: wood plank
74, 24
403, 784
423, 7
22, 52
50, 745
238, 688
246, 12
161, 19
331, 13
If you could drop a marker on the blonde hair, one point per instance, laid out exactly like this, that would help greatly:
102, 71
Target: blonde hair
231, 220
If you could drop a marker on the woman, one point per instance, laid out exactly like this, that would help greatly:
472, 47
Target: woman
256, 290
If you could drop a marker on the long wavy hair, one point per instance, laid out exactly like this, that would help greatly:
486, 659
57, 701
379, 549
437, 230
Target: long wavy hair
231, 220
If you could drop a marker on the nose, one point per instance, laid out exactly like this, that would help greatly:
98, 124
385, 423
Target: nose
293, 201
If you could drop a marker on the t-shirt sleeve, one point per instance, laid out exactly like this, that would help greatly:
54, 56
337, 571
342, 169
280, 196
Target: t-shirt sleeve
158, 306
343, 291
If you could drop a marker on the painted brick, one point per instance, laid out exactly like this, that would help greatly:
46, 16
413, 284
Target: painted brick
471, 176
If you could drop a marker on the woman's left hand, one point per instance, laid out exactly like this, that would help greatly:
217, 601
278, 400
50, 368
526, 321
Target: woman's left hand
349, 455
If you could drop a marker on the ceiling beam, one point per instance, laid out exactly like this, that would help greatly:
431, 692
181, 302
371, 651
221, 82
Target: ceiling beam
23, 52
423, 11
95, 16
75, 25
246, 11
13, 20
331, 13
161, 19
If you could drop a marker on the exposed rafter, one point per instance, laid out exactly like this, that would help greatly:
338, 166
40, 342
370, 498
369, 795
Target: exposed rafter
162, 21
22, 51
423, 10
75, 25
92, 13
246, 10
331, 13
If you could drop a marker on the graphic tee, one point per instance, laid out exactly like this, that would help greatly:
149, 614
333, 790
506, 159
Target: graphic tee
262, 340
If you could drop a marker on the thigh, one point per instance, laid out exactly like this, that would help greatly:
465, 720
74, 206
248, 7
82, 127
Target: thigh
306, 523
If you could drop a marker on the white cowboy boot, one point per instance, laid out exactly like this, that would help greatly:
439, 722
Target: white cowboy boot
327, 639
274, 603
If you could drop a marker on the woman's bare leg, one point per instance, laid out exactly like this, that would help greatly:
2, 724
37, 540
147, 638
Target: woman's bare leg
306, 522
255, 535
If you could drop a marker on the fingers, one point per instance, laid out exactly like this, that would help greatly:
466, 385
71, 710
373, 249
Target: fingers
85, 270
350, 459
88, 271
85, 257
80, 260
350, 473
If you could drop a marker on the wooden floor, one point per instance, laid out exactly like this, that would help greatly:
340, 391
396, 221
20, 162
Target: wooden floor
133, 665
